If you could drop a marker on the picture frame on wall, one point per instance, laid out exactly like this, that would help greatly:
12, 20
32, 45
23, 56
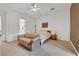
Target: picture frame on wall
45, 25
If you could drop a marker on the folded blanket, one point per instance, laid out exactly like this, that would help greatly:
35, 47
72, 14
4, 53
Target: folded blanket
31, 35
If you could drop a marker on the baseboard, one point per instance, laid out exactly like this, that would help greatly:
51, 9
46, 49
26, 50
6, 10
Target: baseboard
11, 38
74, 48
60, 38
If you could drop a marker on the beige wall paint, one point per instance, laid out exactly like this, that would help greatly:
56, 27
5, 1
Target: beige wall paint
58, 22
12, 24
3, 24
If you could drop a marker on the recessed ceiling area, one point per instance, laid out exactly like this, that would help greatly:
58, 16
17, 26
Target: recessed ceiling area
26, 8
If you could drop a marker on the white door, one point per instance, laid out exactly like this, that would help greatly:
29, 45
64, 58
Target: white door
22, 26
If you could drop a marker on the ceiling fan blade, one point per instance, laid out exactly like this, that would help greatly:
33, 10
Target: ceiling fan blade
34, 5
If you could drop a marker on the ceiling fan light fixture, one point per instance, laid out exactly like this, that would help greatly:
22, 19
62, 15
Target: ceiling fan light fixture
34, 9
35, 5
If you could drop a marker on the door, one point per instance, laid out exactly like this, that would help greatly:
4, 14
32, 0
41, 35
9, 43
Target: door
75, 25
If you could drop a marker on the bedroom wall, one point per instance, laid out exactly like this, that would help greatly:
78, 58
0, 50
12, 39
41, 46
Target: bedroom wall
58, 22
3, 24
12, 24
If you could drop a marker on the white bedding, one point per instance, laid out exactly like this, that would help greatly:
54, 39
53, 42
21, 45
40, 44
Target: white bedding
44, 35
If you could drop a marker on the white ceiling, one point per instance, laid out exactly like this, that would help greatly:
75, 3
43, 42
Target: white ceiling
25, 8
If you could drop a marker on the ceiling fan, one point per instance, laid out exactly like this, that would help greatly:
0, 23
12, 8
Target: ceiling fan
35, 7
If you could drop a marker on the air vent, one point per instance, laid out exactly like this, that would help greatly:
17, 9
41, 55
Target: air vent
52, 9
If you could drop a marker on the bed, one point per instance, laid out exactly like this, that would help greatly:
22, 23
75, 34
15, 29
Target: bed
29, 41
44, 35
32, 41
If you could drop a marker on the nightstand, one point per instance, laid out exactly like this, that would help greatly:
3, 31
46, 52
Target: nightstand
53, 37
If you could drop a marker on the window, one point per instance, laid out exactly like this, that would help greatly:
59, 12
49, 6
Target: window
22, 26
